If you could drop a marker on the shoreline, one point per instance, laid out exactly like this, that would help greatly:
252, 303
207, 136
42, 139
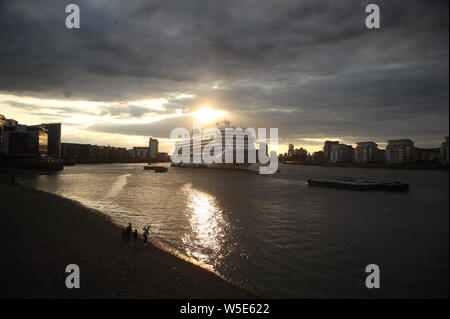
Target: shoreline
45, 232
106, 218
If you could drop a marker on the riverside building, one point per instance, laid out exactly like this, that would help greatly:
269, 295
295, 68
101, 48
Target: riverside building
2, 123
400, 151
366, 152
24, 141
54, 139
327, 149
140, 153
341, 153
444, 152
153, 145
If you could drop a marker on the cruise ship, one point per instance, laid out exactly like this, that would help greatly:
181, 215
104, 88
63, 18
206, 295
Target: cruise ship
238, 144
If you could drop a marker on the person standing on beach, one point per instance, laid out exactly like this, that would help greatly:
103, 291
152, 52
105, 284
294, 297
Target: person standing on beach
145, 238
146, 229
129, 231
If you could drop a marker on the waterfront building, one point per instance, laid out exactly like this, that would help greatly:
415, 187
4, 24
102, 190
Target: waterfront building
400, 151
317, 157
382, 155
429, 154
75, 151
290, 150
2, 124
87, 153
163, 157
54, 139
341, 153
94, 152
296, 155
282, 158
140, 153
115, 154
153, 149
327, 149
444, 152
300, 155
366, 152
24, 141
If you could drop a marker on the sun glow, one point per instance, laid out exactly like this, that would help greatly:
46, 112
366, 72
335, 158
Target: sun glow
206, 114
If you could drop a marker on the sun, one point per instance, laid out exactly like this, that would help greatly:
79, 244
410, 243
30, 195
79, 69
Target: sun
206, 114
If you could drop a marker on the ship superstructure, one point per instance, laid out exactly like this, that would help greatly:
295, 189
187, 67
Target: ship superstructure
238, 148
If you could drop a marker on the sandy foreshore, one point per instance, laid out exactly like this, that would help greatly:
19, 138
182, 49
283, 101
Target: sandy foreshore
42, 233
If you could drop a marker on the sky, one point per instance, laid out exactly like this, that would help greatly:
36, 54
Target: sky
136, 69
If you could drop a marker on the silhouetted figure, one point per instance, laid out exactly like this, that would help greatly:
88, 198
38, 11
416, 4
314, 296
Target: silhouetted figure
129, 231
146, 229
145, 239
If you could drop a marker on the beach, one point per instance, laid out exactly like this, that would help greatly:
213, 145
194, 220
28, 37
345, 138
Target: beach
42, 233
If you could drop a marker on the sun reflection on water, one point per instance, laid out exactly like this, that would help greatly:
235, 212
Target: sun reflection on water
205, 242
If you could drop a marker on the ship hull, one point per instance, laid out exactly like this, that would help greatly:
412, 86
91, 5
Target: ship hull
360, 185
238, 166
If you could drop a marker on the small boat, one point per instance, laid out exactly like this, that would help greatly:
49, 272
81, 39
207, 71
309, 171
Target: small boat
359, 184
157, 169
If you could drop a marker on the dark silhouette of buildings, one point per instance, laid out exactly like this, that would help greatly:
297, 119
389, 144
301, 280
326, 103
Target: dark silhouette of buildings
54, 139
22, 141
153, 146
87, 153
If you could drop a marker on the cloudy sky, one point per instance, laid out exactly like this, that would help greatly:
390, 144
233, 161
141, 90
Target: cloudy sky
310, 68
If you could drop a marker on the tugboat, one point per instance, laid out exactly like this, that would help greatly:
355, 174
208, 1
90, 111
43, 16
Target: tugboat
359, 184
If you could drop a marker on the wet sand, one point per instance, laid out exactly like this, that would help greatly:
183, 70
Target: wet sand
41, 233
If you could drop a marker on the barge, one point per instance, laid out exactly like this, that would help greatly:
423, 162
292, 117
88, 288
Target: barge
359, 184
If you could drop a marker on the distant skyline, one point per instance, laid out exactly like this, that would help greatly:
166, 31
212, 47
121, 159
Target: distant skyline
137, 69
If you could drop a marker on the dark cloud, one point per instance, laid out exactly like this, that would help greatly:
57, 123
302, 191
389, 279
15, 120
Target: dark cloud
161, 128
310, 68
126, 111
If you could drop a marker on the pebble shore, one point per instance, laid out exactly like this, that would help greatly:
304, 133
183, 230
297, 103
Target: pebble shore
42, 233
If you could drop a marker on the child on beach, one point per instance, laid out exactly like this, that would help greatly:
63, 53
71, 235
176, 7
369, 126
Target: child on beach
146, 229
145, 238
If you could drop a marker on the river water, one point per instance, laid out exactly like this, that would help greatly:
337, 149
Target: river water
275, 234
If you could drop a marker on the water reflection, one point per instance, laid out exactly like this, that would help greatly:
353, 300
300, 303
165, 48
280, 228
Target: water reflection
205, 241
